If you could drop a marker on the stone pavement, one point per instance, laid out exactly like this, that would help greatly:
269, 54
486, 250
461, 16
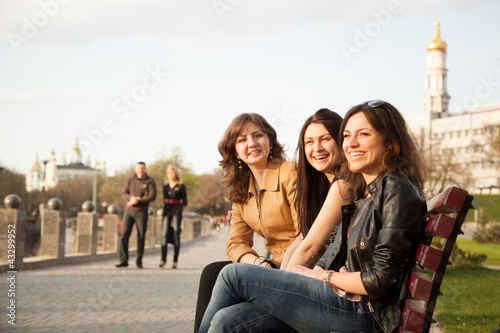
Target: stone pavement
97, 297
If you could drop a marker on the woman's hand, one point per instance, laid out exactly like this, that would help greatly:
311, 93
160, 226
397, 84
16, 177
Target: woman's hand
347, 281
316, 273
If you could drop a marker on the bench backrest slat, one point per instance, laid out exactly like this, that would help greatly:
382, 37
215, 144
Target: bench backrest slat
446, 214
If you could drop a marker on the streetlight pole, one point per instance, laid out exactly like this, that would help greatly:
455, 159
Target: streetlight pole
44, 181
94, 190
1, 186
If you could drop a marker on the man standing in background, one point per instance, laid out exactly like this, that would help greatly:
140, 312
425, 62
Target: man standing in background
138, 192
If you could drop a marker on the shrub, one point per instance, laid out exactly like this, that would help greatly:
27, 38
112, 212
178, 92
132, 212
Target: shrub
459, 257
489, 234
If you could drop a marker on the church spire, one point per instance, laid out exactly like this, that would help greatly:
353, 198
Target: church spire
76, 154
437, 43
436, 98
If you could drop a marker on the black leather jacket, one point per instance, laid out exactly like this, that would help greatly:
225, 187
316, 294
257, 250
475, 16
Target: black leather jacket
384, 232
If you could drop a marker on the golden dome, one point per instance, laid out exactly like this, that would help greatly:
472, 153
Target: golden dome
76, 150
36, 166
436, 43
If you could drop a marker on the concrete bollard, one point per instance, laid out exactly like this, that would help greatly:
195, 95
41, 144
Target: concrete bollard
52, 231
86, 230
12, 232
110, 229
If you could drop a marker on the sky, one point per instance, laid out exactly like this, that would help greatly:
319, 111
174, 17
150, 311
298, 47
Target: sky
139, 80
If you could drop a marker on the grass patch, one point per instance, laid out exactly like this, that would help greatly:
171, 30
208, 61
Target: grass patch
491, 250
490, 203
470, 302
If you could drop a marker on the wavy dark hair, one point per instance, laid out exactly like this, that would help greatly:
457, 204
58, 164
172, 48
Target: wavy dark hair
235, 181
404, 156
313, 184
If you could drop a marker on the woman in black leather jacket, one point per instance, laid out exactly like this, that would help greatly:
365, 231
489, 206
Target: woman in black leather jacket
367, 265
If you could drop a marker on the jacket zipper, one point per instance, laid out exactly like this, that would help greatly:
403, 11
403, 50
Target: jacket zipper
258, 207
258, 214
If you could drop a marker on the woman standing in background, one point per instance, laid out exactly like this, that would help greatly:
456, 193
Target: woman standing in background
174, 193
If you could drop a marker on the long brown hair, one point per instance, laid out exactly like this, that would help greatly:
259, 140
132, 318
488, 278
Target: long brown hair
313, 184
404, 156
235, 181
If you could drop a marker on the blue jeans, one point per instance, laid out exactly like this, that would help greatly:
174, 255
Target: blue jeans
248, 298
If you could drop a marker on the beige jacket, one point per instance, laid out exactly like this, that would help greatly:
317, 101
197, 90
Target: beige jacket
270, 213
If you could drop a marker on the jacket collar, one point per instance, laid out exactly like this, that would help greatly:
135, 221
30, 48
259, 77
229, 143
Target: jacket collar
374, 185
271, 178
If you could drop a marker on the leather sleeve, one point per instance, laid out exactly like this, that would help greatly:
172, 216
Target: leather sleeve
401, 212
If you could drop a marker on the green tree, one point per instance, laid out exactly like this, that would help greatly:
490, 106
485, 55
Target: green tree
111, 190
74, 192
13, 183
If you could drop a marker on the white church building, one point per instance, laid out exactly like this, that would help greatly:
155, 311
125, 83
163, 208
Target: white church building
463, 138
55, 173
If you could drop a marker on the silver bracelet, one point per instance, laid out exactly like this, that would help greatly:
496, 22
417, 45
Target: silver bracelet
326, 277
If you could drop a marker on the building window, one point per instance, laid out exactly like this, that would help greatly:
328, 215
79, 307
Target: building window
459, 134
451, 135
475, 131
466, 133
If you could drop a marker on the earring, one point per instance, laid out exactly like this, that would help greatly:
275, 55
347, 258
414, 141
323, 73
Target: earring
349, 166
239, 164
384, 164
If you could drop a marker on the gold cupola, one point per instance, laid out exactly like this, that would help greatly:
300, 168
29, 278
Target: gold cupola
76, 150
437, 43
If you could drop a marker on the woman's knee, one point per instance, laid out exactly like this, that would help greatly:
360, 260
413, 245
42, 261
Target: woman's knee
234, 270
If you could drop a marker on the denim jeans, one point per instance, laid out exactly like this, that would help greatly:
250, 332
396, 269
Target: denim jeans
175, 222
248, 298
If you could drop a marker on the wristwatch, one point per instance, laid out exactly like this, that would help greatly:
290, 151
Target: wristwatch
326, 277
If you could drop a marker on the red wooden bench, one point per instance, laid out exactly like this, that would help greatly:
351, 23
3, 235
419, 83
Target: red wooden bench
446, 214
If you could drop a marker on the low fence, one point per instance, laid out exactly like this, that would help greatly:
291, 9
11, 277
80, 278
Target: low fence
52, 239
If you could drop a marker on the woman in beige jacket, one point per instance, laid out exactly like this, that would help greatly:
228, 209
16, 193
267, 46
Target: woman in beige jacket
261, 185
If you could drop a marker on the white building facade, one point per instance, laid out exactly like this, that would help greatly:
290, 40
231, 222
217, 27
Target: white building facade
55, 173
465, 139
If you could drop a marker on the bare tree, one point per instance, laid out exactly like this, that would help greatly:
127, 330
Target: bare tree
444, 170
211, 197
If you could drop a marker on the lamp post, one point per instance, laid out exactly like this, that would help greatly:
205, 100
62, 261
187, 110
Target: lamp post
94, 190
104, 205
1, 185
44, 181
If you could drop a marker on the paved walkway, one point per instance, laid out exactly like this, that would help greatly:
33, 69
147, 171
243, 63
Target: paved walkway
97, 297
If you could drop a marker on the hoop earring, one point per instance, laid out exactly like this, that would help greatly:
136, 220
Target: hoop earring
384, 164
239, 164
349, 166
